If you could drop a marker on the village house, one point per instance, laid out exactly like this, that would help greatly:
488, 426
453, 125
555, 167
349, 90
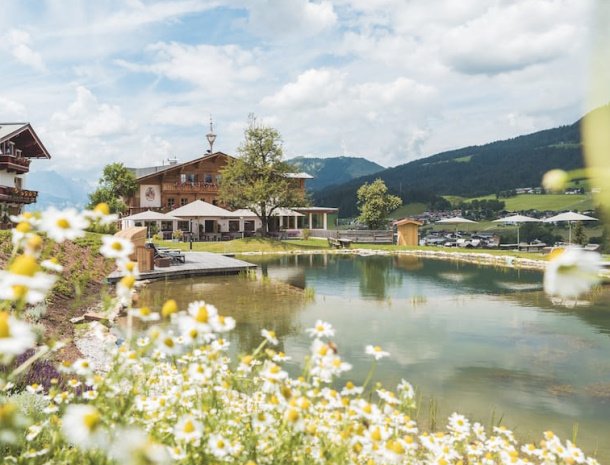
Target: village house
171, 187
19, 144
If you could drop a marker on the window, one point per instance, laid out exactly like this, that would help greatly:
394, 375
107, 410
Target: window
183, 225
218, 178
182, 178
233, 225
214, 202
183, 202
249, 225
208, 178
171, 202
191, 177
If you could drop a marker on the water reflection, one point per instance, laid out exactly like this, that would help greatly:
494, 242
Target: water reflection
476, 339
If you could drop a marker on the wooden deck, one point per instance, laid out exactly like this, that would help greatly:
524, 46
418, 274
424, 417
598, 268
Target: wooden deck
197, 264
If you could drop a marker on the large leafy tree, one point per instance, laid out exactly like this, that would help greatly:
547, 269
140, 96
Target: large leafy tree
258, 179
375, 203
116, 184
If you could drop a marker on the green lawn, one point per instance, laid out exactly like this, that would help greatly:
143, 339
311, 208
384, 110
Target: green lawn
554, 202
409, 209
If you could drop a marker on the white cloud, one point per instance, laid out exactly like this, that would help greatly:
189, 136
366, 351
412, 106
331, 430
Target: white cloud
12, 110
87, 117
313, 88
510, 38
214, 68
17, 42
285, 18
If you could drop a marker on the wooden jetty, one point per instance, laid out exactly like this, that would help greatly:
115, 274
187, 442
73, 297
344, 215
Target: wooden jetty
196, 264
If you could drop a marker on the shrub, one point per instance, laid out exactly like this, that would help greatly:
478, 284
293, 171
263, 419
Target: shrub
306, 233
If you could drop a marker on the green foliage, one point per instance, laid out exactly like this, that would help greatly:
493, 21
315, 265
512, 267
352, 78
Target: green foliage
116, 184
578, 234
306, 233
258, 178
492, 168
375, 203
482, 209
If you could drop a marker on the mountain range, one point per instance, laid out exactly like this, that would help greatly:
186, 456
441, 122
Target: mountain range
57, 190
334, 170
471, 171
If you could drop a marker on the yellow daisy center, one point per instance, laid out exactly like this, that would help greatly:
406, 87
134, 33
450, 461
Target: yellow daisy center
63, 223
169, 307
102, 208
202, 315
92, 420
24, 265
4, 326
117, 246
189, 427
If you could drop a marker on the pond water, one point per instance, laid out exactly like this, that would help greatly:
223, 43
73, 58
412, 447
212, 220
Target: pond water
483, 341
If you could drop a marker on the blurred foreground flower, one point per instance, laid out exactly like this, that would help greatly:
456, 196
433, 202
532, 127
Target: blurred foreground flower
572, 273
555, 180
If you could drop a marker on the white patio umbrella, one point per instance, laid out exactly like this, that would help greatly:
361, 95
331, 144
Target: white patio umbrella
517, 219
569, 217
455, 220
148, 215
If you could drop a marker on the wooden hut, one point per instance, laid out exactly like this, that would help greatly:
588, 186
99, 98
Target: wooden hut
408, 232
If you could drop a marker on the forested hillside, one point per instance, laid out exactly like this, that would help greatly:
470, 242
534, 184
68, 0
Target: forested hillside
332, 171
471, 171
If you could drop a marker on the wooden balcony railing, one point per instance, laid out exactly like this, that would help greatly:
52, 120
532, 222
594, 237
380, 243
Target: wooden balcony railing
14, 164
195, 187
12, 194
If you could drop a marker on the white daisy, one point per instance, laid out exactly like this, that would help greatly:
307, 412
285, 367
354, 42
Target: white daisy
376, 352
270, 336
145, 314
101, 213
52, 264
132, 446
188, 430
218, 446
24, 281
321, 329
222, 324
82, 427
65, 224
116, 247
16, 336
572, 273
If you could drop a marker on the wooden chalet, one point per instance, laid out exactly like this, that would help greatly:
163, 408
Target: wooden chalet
170, 187
19, 144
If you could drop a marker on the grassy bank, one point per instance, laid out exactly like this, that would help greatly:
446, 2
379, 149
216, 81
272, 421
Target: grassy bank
79, 287
274, 246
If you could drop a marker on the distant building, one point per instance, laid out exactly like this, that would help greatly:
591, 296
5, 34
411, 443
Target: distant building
19, 144
168, 187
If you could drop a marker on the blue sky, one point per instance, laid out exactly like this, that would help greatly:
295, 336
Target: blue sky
390, 80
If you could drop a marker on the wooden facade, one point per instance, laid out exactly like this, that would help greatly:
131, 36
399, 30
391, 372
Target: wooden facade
408, 232
18, 145
180, 184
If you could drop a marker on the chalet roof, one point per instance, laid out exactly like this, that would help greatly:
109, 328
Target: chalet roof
301, 175
164, 169
408, 221
143, 174
199, 208
25, 139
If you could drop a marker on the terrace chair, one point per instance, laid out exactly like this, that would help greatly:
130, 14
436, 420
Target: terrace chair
176, 256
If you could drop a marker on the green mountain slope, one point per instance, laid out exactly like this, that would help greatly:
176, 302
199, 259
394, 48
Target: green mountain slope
332, 171
471, 171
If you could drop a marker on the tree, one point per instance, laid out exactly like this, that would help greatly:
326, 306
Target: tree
579, 235
375, 203
259, 178
116, 184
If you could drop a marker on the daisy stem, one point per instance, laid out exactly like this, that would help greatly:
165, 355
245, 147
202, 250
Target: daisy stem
370, 375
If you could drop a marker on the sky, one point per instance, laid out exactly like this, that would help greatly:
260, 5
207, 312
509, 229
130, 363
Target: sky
136, 81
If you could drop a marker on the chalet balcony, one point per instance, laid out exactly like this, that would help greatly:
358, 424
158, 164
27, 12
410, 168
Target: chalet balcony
14, 195
193, 187
14, 164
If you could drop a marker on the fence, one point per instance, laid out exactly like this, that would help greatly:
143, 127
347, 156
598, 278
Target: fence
357, 235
